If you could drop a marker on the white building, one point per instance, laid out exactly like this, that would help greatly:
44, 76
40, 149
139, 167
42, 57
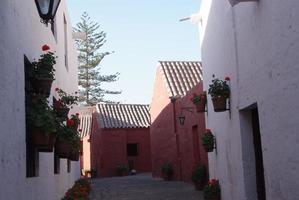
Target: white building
256, 44
22, 35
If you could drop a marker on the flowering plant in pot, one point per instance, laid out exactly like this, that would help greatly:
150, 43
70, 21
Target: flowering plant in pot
199, 176
199, 100
76, 120
42, 73
208, 140
64, 103
219, 91
167, 171
79, 191
121, 169
68, 142
40, 121
212, 190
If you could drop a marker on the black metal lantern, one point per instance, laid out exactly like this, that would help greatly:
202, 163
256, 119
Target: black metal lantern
182, 119
47, 10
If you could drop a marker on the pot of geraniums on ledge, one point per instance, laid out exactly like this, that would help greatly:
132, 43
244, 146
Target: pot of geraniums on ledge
64, 103
220, 92
40, 120
121, 170
167, 171
68, 141
208, 140
212, 190
199, 176
199, 100
42, 72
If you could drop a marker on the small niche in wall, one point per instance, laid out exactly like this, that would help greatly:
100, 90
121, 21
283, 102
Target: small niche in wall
56, 164
69, 166
32, 156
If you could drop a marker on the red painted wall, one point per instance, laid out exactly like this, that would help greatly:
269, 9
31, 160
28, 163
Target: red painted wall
171, 142
109, 148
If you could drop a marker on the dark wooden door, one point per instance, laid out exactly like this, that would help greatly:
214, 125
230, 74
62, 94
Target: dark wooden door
259, 166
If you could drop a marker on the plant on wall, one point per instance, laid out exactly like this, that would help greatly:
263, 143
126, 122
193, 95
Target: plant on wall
42, 72
167, 171
220, 92
199, 100
208, 140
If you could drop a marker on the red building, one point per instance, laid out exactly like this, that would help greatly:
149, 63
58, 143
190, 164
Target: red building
172, 142
120, 135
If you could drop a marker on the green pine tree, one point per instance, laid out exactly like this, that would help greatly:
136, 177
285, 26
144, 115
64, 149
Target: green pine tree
89, 58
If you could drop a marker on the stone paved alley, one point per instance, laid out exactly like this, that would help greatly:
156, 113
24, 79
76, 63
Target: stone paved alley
143, 187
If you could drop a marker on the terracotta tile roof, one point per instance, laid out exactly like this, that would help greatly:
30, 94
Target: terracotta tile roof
123, 116
85, 121
180, 76
85, 125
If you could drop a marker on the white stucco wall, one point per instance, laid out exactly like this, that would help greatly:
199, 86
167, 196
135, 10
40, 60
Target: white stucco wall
256, 44
21, 33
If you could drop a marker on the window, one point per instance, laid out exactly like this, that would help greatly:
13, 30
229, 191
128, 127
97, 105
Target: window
65, 42
132, 149
56, 164
32, 156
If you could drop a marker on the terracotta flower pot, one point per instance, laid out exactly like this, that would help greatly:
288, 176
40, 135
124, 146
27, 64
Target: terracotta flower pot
74, 156
63, 148
216, 197
42, 86
39, 138
219, 103
200, 107
209, 148
51, 143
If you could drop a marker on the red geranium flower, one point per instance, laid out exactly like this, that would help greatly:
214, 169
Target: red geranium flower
227, 78
56, 89
77, 114
70, 122
208, 130
45, 48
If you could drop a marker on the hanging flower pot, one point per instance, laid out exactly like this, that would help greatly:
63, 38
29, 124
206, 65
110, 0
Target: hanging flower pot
39, 138
219, 103
208, 141
42, 86
220, 92
199, 100
51, 143
63, 148
74, 156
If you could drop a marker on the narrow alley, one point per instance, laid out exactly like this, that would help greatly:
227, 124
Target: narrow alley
142, 186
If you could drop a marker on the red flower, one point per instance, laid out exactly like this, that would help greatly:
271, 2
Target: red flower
70, 122
208, 130
227, 78
77, 114
194, 94
56, 89
45, 48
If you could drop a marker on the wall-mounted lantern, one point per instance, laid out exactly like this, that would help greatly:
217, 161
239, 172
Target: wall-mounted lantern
181, 117
47, 10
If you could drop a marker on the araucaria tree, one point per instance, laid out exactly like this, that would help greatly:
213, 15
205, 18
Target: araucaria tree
89, 57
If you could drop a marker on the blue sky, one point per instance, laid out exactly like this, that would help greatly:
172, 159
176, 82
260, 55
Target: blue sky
141, 32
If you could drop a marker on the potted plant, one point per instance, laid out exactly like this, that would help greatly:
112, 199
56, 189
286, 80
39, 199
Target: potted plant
76, 120
199, 176
219, 91
64, 103
41, 125
208, 140
212, 190
121, 170
167, 171
42, 73
68, 142
199, 100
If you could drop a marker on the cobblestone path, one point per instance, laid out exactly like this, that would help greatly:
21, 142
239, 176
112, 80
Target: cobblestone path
142, 187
